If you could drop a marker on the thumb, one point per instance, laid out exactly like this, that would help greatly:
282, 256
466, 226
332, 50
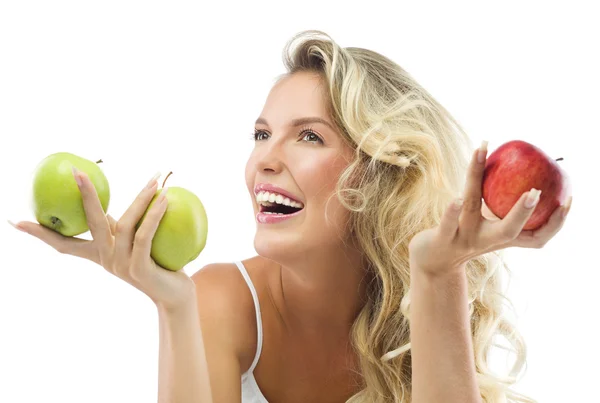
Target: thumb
449, 223
63, 244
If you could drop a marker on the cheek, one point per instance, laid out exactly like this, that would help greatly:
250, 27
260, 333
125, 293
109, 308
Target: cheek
318, 176
329, 172
249, 175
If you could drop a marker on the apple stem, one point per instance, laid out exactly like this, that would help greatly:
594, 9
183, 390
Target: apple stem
99, 161
559, 159
163, 185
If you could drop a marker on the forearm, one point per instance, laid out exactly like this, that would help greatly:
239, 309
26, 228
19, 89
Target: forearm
443, 365
183, 371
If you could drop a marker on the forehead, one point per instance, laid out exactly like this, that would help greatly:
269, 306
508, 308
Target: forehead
298, 94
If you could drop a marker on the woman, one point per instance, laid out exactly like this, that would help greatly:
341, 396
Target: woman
375, 286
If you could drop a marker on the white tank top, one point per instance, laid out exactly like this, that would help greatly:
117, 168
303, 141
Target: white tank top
250, 391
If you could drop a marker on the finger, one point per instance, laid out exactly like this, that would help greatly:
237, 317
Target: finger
145, 233
537, 238
95, 215
449, 223
487, 213
62, 244
512, 224
125, 228
471, 212
112, 223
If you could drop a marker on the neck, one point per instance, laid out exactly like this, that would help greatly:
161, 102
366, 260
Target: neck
323, 292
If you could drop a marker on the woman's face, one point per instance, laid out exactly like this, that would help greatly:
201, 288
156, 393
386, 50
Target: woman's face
304, 157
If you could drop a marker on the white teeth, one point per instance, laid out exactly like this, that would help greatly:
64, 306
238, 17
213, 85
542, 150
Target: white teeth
268, 197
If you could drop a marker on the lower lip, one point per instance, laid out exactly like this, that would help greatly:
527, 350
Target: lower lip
263, 218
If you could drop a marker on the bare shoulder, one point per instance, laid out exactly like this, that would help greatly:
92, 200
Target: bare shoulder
226, 310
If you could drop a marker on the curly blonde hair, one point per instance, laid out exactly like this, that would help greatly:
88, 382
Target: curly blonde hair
411, 158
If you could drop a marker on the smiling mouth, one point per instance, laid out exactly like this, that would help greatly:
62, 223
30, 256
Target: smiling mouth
266, 207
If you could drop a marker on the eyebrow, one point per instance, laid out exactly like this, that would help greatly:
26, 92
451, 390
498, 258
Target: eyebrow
301, 121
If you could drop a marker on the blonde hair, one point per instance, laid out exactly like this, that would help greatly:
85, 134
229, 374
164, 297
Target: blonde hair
410, 161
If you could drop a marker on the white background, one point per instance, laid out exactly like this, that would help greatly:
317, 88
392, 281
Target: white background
152, 86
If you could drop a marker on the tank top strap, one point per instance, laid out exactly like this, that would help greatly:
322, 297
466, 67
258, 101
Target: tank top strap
259, 338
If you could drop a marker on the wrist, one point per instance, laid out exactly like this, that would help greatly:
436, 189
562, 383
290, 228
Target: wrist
183, 306
441, 286
448, 273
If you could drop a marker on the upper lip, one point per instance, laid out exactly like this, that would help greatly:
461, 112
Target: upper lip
267, 187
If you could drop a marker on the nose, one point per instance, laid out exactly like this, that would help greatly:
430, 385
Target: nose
270, 158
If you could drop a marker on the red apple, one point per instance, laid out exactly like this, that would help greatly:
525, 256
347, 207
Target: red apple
516, 167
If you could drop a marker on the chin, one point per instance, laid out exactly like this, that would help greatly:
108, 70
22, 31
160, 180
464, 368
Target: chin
266, 248
277, 246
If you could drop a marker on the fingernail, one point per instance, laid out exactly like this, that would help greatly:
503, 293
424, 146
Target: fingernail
163, 194
458, 203
16, 226
76, 175
567, 207
532, 198
153, 180
482, 151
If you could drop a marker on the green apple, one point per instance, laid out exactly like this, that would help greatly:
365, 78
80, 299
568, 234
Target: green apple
182, 231
56, 199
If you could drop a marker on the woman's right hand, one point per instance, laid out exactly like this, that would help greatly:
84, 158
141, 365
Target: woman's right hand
122, 250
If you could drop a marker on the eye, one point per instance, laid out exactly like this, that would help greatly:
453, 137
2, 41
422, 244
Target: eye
309, 132
255, 134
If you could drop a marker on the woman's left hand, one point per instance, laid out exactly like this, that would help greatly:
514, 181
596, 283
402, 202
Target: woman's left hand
464, 233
